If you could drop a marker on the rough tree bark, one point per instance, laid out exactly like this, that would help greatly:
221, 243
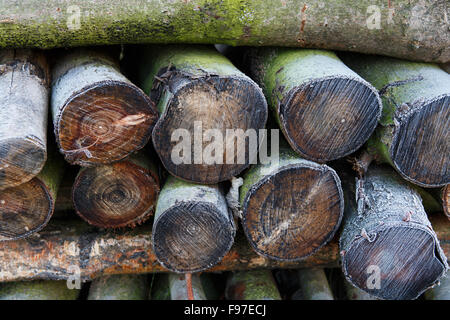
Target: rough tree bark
37, 290
193, 228
292, 208
252, 285
413, 30
388, 247
119, 287
27, 208
99, 116
314, 284
413, 135
23, 115
117, 195
197, 89
325, 110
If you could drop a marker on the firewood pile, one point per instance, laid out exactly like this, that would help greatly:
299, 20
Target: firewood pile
224, 151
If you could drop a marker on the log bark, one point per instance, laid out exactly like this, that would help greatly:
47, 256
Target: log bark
314, 284
27, 208
193, 228
119, 287
415, 31
24, 89
412, 135
441, 291
197, 89
122, 194
290, 208
172, 286
325, 110
252, 285
388, 246
99, 116
37, 290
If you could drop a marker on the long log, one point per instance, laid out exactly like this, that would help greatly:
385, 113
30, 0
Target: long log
314, 284
27, 208
198, 90
441, 291
117, 195
325, 110
388, 246
119, 287
290, 208
24, 78
172, 286
37, 290
415, 30
99, 116
413, 135
193, 228
252, 285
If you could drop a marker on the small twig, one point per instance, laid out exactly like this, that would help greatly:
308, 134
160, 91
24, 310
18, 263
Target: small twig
190, 291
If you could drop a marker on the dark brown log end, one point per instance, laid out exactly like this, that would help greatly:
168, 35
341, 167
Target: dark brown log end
446, 200
405, 257
24, 209
20, 161
105, 123
328, 119
219, 103
421, 144
117, 195
290, 215
191, 237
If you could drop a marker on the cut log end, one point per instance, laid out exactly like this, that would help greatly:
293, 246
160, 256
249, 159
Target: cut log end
20, 161
405, 258
421, 146
24, 209
104, 123
220, 103
291, 225
350, 107
191, 237
113, 196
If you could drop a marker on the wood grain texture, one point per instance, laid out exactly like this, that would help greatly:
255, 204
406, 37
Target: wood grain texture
252, 285
122, 194
414, 30
386, 229
197, 89
99, 116
23, 115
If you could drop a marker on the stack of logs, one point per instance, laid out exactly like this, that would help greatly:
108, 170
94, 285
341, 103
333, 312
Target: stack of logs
145, 151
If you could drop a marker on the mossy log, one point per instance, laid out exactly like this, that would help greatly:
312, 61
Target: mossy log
416, 30
119, 287
27, 208
37, 290
252, 285
193, 228
290, 208
117, 195
172, 286
325, 110
413, 135
24, 90
440, 291
197, 90
388, 246
314, 284
99, 116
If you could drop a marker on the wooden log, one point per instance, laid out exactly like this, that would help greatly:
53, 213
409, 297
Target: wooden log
172, 286
37, 290
446, 200
23, 115
412, 30
27, 208
388, 246
193, 228
198, 90
99, 116
314, 284
119, 287
325, 110
290, 208
117, 195
440, 291
354, 293
252, 285
412, 135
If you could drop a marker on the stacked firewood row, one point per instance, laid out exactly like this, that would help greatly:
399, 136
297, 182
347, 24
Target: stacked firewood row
362, 136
